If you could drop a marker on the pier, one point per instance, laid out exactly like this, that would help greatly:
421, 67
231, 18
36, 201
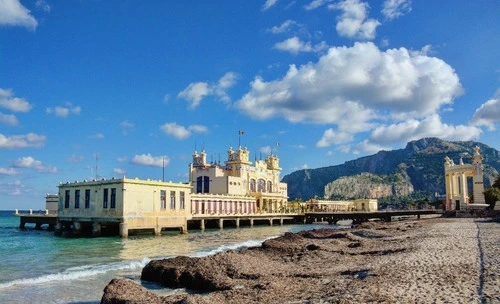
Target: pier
38, 219
244, 219
360, 216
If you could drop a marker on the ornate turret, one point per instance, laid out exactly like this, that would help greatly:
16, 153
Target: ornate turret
199, 160
273, 162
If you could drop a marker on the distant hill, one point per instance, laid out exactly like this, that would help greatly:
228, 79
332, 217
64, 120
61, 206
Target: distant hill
417, 167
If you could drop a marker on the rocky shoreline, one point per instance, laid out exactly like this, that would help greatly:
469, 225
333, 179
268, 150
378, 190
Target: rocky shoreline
427, 261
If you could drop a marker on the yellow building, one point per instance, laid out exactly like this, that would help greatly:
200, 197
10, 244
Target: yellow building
237, 187
121, 205
130, 204
366, 205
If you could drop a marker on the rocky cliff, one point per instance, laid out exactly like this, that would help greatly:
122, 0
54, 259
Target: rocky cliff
417, 167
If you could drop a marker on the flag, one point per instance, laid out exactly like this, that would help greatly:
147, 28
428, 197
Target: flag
278, 144
240, 132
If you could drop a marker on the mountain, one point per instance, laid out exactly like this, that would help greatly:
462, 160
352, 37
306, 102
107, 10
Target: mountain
417, 167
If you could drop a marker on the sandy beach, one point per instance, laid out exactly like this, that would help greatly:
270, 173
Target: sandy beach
434, 260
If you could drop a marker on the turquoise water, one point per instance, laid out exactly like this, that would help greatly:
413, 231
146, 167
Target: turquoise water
38, 267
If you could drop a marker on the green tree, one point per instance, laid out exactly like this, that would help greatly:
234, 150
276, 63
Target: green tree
492, 194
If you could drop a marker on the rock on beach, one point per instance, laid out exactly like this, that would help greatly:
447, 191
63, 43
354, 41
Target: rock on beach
427, 261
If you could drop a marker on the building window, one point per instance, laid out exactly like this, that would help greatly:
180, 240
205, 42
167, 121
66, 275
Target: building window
172, 200
105, 199
252, 185
269, 187
182, 199
202, 184
77, 199
113, 198
261, 187
66, 199
87, 198
163, 199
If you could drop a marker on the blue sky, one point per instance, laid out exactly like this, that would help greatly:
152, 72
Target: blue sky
137, 84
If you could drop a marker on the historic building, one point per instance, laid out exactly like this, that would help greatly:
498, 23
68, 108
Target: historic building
126, 204
237, 186
458, 177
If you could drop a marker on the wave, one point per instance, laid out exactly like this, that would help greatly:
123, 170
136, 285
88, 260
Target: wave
75, 273
79, 272
222, 248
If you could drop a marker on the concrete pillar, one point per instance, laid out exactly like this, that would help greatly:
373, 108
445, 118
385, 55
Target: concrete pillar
251, 222
418, 216
38, 226
123, 230
77, 227
157, 231
221, 224
281, 221
31, 211
17, 212
202, 224
237, 223
22, 223
58, 230
96, 229
270, 221
184, 229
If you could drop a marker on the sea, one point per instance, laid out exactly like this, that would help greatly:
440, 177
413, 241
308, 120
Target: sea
38, 267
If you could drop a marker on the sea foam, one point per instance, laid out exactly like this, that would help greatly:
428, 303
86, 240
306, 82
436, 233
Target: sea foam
75, 273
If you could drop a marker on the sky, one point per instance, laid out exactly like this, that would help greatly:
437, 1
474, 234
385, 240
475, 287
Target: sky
111, 88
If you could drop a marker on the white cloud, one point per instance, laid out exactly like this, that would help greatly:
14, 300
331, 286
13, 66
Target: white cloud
76, 158
198, 129
413, 129
294, 45
393, 9
13, 13
369, 147
268, 4
8, 119
43, 5
265, 150
21, 141
60, 111
97, 136
196, 91
119, 171
351, 86
150, 161
127, 126
353, 22
15, 188
487, 114
177, 131
8, 171
30, 162
331, 137
314, 4
282, 28
181, 132
14, 104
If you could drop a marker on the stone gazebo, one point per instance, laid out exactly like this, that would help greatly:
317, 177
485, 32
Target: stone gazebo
456, 183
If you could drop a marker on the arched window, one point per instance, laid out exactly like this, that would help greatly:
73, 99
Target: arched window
252, 185
261, 186
269, 186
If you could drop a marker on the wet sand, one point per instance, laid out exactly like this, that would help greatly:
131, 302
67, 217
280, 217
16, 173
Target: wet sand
427, 261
